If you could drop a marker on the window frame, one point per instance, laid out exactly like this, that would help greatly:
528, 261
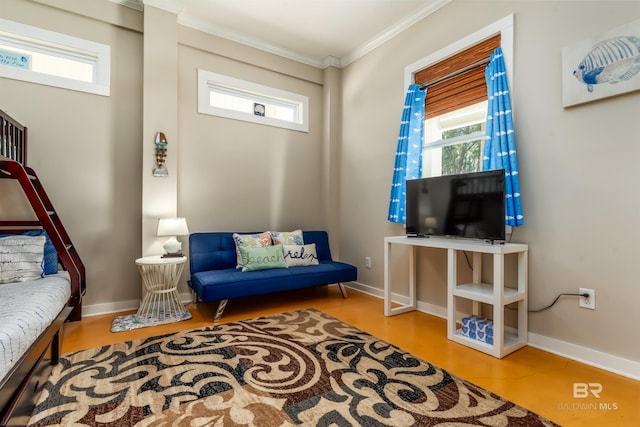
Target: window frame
504, 27
258, 93
435, 147
62, 46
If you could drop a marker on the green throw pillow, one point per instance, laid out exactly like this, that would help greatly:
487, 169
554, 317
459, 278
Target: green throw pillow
262, 257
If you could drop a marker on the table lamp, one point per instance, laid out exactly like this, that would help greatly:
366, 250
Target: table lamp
172, 227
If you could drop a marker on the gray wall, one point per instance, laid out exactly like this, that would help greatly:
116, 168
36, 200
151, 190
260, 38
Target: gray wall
239, 176
577, 167
231, 175
86, 148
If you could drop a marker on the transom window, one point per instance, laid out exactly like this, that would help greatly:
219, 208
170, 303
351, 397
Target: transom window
233, 98
252, 103
40, 56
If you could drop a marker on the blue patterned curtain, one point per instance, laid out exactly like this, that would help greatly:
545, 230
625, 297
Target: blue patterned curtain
500, 143
408, 164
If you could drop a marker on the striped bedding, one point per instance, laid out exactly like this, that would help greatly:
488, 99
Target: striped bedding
26, 310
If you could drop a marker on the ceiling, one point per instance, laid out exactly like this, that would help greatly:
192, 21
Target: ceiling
315, 32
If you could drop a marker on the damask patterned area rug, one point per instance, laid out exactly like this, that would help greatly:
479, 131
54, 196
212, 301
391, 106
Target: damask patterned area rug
295, 368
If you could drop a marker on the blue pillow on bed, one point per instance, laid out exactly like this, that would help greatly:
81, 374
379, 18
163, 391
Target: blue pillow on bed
50, 254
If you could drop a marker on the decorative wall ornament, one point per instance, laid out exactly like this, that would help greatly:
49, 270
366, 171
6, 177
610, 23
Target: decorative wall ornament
602, 66
161, 155
258, 109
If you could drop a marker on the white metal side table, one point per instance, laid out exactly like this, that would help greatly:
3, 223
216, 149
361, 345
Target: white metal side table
160, 277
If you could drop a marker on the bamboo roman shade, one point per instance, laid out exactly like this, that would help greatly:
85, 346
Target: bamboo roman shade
457, 81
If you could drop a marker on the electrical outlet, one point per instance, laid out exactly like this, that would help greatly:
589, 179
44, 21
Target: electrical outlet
589, 301
367, 262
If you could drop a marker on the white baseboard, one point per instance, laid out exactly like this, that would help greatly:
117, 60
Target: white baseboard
608, 362
115, 307
365, 289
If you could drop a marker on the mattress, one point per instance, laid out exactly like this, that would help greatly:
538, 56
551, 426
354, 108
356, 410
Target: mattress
26, 310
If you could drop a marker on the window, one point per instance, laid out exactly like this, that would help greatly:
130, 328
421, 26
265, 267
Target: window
455, 105
233, 98
456, 110
45, 57
454, 141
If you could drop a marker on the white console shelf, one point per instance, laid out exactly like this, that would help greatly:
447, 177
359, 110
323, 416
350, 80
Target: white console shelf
496, 294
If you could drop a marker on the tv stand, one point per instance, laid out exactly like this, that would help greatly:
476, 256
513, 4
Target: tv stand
496, 294
495, 242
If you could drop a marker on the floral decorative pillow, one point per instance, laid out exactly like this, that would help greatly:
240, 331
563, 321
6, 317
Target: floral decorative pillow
262, 258
21, 258
300, 255
287, 237
250, 240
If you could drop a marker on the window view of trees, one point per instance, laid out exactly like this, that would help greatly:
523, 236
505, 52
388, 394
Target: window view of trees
454, 141
461, 158
456, 108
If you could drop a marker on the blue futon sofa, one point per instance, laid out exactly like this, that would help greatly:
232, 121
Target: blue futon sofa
214, 277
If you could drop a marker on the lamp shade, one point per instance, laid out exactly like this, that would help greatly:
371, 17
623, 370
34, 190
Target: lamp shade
172, 227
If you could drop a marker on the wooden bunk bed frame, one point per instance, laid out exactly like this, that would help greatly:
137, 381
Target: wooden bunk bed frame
19, 388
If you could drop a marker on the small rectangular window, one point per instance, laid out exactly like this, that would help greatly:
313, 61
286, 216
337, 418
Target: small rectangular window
225, 96
45, 57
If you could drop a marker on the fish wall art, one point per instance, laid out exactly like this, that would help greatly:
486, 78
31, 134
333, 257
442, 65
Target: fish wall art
602, 66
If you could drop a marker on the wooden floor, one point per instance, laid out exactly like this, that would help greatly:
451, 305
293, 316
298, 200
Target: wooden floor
537, 380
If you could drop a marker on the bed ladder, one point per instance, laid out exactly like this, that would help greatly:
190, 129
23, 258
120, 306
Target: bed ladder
48, 220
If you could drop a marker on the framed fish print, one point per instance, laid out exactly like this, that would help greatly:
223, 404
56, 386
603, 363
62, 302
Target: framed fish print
602, 66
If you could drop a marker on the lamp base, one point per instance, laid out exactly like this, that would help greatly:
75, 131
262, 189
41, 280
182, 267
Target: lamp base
175, 255
172, 247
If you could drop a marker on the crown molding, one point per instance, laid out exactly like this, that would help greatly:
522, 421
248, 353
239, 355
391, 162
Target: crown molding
173, 6
248, 41
393, 31
133, 4
176, 6
331, 61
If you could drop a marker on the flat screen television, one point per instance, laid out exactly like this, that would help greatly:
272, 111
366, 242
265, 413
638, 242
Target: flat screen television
469, 205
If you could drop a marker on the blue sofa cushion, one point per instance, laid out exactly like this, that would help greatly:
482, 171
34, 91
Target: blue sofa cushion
215, 285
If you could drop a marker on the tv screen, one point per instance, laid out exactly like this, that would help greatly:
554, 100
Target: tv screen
467, 205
